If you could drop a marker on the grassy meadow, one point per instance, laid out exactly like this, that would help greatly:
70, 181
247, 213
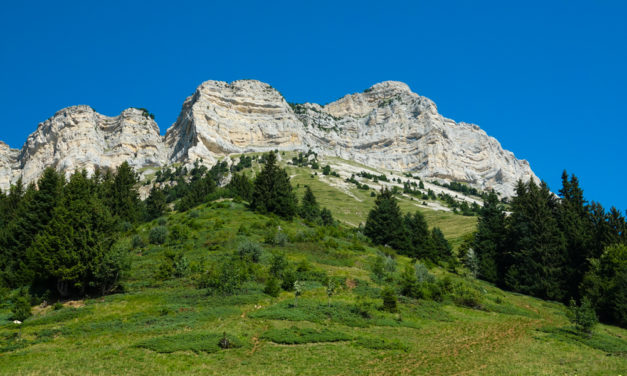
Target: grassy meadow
169, 326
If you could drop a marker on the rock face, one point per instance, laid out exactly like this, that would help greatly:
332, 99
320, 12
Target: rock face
387, 126
222, 118
78, 138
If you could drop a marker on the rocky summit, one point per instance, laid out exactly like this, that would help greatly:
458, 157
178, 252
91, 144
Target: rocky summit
387, 126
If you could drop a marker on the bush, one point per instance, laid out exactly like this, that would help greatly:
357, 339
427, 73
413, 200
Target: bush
173, 265
158, 235
138, 242
583, 316
272, 287
289, 278
178, 233
297, 336
389, 300
21, 309
249, 251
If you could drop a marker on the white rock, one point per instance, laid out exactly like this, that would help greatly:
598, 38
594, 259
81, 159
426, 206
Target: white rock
387, 126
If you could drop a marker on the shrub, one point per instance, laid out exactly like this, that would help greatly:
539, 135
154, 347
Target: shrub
583, 316
278, 263
272, 287
225, 278
178, 233
21, 309
173, 265
389, 300
196, 342
297, 336
138, 242
158, 235
289, 278
249, 251
363, 308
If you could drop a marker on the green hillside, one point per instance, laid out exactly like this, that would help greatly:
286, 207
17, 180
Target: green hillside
193, 302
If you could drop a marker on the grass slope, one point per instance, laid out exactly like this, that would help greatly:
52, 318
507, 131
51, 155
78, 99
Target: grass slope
170, 327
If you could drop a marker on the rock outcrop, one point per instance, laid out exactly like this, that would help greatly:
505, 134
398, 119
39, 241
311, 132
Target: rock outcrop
77, 138
243, 116
387, 126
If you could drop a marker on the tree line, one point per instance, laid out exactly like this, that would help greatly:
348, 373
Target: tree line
557, 248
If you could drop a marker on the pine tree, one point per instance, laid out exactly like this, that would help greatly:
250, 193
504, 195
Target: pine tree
76, 242
577, 227
241, 186
273, 191
537, 249
419, 243
489, 241
326, 218
441, 248
123, 198
33, 213
384, 225
309, 209
156, 204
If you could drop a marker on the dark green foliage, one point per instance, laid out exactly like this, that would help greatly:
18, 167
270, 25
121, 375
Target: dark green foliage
67, 255
172, 265
272, 287
241, 186
249, 251
390, 303
156, 204
278, 264
575, 224
583, 316
21, 307
441, 248
326, 218
196, 342
309, 209
273, 191
28, 216
299, 336
121, 194
198, 192
537, 250
606, 285
490, 240
226, 277
419, 244
611, 344
158, 235
384, 225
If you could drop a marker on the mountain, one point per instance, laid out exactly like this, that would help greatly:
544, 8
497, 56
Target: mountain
387, 126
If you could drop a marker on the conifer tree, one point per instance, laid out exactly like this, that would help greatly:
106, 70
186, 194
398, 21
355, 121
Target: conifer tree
489, 241
241, 186
76, 242
326, 218
419, 243
441, 248
156, 204
33, 213
384, 225
123, 198
309, 209
273, 191
576, 225
537, 247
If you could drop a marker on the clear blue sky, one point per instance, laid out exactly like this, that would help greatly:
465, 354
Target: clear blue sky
548, 79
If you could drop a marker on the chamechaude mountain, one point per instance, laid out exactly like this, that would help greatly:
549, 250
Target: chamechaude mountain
387, 126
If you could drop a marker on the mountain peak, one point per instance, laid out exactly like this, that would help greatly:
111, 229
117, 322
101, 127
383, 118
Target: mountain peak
389, 86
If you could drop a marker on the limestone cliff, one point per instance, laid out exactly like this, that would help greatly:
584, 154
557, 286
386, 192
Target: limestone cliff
387, 126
